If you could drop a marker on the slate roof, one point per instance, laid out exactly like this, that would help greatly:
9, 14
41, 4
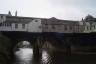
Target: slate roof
4, 14
24, 22
54, 21
16, 19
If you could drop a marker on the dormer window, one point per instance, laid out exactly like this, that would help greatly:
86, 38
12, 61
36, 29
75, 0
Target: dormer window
36, 20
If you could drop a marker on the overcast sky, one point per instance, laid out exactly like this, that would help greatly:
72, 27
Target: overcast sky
61, 9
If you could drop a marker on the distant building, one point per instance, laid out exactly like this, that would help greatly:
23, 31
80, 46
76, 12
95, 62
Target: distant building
90, 24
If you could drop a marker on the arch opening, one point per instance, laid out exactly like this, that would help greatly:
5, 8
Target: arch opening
23, 52
22, 44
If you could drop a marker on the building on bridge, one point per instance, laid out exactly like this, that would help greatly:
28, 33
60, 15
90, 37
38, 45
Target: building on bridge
16, 23
30, 24
62, 26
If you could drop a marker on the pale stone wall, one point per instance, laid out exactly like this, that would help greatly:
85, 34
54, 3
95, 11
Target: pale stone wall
3, 28
35, 26
63, 26
2, 18
87, 27
12, 27
90, 27
19, 27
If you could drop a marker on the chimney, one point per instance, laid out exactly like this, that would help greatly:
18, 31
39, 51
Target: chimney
16, 13
9, 13
82, 19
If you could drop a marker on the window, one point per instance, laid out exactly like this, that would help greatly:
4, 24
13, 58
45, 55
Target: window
1, 17
36, 20
53, 27
90, 28
16, 25
0, 24
65, 27
70, 27
23, 26
93, 26
46, 26
10, 24
87, 28
5, 24
40, 27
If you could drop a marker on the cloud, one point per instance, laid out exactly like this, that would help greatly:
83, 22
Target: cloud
74, 9
63, 9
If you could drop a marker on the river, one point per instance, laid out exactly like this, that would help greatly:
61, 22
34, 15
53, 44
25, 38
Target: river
25, 56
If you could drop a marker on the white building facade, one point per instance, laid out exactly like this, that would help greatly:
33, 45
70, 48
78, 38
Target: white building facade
38, 25
89, 24
13, 23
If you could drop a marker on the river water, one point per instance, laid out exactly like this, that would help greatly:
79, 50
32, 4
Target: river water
25, 56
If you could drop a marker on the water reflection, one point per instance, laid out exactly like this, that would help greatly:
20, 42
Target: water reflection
45, 57
24, 56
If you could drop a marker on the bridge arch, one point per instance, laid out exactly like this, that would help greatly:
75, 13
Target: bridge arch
22, 44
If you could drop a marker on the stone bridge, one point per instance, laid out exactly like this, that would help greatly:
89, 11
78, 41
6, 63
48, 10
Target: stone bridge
64, 40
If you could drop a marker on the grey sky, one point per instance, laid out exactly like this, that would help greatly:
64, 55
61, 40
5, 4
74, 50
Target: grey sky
61, 9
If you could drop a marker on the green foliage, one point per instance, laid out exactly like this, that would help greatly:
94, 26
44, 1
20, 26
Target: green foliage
5, 47
4, 43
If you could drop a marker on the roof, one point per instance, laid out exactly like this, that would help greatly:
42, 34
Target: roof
54, 21
16, 19
25, 22
4, 14
90, 18
21, 17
